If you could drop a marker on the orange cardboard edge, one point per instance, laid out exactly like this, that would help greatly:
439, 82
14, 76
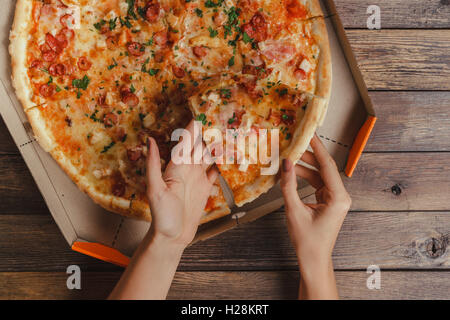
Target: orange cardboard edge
102, 252
359, 145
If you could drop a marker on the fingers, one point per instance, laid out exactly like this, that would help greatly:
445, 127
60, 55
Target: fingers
155, 182
313, 177
328, 169
309, 158
289, 185
212, 174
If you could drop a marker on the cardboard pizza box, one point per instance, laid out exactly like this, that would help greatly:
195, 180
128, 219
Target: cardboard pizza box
91, 230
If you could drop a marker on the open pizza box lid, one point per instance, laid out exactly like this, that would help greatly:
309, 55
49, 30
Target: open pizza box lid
90, 229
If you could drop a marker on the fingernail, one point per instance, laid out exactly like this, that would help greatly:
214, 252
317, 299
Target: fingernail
287, 165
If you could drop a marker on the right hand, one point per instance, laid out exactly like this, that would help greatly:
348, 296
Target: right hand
313, 228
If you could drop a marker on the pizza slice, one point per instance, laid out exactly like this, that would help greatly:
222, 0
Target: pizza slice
256, 132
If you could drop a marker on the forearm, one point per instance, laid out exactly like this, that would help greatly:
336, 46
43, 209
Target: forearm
150, 272
317, 281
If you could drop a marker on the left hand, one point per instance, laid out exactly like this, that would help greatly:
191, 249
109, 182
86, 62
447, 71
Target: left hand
178, 197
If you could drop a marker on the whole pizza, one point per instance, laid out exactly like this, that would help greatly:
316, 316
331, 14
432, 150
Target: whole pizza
96, 78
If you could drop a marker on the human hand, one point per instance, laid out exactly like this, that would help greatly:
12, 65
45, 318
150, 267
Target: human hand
178, 197
313, 228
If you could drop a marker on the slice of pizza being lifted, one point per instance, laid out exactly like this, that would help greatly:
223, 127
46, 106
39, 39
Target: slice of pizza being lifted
255, 133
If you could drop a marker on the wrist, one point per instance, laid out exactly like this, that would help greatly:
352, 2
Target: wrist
315, 265
162, 245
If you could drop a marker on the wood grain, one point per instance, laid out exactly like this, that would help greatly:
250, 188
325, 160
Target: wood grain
403, 59
18, 191
34, 242
416, 240
229, 285
410, 121
401, 181
421, 178
396, 13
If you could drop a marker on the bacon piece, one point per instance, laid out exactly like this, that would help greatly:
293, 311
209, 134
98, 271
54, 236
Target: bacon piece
288, 117
84, 64
278, 50
200, 51
57, 69
178, 72
250, 87
46, 90
152, 12
134, 154
118, 187
161, 38
110, 119
256, 28
260, 71
136, 49
235, 122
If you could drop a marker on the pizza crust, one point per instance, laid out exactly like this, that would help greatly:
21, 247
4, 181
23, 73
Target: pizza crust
18, 51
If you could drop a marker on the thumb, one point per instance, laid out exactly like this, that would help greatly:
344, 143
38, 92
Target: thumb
289, 185
155, 182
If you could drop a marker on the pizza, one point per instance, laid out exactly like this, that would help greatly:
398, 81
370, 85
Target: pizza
97, 78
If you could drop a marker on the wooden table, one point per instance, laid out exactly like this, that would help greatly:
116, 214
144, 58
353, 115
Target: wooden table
400, 217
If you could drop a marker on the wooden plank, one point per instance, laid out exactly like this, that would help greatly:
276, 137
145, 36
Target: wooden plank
229, 285
34, 242
389, 239
410, 121
7, 145
403, 59
381, 182
18, 190
401, 181
396, 13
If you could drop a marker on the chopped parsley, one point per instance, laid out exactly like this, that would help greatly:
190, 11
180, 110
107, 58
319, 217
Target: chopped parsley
112, 24
112, 66
199, 12
212, 32
81, 84
231, 62
107, 147
130, 11
99, 24
246, 38
212, 4
201, 117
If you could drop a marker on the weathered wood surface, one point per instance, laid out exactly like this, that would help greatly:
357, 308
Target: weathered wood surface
396, 13
403, 59
229, 285
410, 121
400, 189
407, 240
381, 182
